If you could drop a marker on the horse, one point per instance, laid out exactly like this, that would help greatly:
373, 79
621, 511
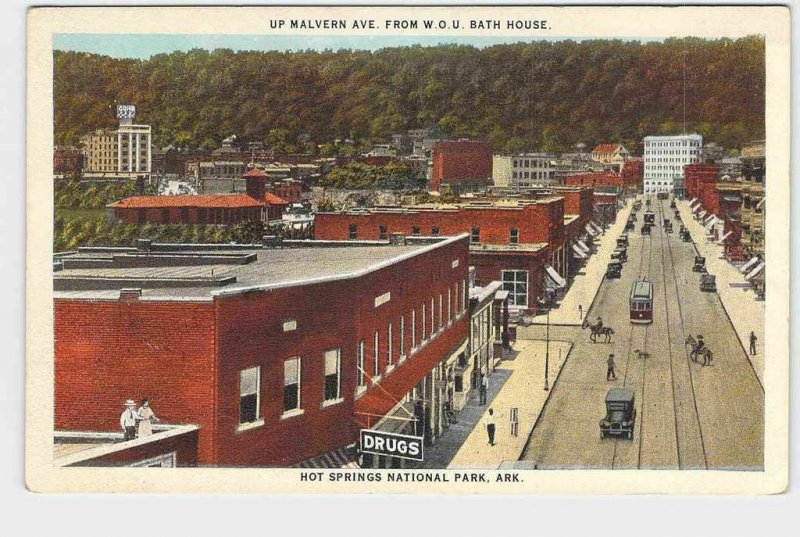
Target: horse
705, 351
597, 330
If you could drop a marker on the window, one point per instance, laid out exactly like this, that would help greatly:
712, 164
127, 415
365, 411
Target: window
390, 359
352, 232
402, 335
360, 357
375, 356
435, 231
415, 230
433, 318
513, 236
381, 232
413, 328
249, 381
332, 371
291, 385
423, 321
516, 283
475, 235
441, 312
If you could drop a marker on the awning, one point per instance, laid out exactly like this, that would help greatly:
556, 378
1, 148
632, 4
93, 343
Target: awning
598, 228
710, 223
584, 247
555, 276
702, 213
747, 266
695, 208
590, 231
710, 216
580, 253
755, 271
725, 236
760, 203
338, 458
691, 202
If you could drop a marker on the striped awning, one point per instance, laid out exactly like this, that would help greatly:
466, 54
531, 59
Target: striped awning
725, 236
555, 276
598, 228
691, 202
747, 266
755, 272
590, 231
580, 253
584, 247
342, 457
711, 221
695, 208
702, 213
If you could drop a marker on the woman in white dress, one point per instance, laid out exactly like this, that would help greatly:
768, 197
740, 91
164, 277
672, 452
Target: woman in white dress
146, 418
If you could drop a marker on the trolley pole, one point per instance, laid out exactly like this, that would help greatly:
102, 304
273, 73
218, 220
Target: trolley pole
547, 352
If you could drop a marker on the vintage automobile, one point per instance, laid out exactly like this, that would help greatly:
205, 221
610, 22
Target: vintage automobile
621, 254
620, 414
622, 240
678, 215
708, 282
614, 269
682, 230
649, 217
662, 195
668, 227
637, 205
672, 204
645, 229
699, 263
629, 226
687, 237
666, 221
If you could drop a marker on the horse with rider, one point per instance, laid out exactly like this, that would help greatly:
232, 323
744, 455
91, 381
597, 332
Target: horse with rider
699, 349
597, 329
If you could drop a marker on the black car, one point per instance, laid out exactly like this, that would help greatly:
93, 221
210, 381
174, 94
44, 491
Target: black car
646, 229
699, 264
614, 269
620, 414
621, 254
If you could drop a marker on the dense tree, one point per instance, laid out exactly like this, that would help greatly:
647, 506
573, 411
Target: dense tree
526, 95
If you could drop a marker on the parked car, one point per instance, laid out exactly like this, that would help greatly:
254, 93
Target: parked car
708, 282
646, 229
687, 237
699, 263
614, 269
620, 414
621, 254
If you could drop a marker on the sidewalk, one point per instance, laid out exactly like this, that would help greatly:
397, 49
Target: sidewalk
523, 388
587, 282
745, 312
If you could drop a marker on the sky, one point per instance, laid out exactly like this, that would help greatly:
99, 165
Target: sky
143, 46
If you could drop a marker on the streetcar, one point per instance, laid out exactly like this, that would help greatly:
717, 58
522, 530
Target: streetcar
662, 195
642, 302
649, 217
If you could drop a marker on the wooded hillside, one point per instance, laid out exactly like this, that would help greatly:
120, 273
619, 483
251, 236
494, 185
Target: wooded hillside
541, 95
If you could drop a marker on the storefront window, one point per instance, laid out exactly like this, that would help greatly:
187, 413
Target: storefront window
516, 283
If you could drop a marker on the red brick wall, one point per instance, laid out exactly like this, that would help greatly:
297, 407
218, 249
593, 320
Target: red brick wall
633, 173
330, 315
708, 195
110, 351
696, 173
458, 161
594, 179
184, 446
540, 222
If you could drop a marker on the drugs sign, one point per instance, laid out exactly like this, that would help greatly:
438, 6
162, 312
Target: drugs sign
401, 446
126, 111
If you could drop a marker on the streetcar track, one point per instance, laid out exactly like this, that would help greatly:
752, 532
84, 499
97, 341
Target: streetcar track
688, 361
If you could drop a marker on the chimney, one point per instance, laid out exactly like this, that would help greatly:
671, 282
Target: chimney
130, 294
397, 239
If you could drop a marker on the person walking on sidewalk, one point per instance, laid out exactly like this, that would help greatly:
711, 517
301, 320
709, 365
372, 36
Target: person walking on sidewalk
753, 340
580, 311
490, 427
611, 373
484, 388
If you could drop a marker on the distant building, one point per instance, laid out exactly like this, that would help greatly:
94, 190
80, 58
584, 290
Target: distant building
664, 159
632, 173
502, 167
612, 155
125, 150
532, 169
592, 179
462, 164
754, 183
67, 161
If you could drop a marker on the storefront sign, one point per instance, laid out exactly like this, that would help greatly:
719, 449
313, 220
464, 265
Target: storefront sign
401, 446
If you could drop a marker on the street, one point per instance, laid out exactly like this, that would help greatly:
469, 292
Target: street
688, 416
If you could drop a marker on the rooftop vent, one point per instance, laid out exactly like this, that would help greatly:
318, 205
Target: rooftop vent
130, 294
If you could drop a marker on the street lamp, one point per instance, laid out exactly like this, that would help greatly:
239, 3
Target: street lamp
546, 346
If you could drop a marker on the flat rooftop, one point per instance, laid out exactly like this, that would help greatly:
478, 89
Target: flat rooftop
200, 274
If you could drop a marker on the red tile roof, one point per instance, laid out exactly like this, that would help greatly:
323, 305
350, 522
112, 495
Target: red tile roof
606, 148
272, 199
229, 201
254, 172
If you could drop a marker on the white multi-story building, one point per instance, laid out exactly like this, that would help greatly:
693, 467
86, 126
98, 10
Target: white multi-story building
664, 159
126, 150
523, 170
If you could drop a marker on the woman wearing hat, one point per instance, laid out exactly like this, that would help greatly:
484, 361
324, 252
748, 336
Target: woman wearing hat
128, 420
146, 418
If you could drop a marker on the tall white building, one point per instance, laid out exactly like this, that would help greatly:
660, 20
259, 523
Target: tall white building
664, 159
126, 150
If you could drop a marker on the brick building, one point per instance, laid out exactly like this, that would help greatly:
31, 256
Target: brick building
67, 161
633, 174
256, 205
279, 355
604, 178
462, 164
519, 242
697, 174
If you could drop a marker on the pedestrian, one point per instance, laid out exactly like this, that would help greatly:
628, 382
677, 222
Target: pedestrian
128, 420
489, 421
484, 388
580, 311
753, 340
611, 374
146, 418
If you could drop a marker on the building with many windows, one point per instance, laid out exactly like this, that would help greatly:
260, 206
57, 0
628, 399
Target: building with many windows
125, 150
610, 155
665, 158
279, 355
524, 170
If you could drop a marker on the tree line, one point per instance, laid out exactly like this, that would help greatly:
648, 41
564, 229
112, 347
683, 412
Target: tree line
542, 95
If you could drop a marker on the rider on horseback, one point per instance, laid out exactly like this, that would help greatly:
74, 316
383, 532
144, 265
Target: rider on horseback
599, 323
700, 344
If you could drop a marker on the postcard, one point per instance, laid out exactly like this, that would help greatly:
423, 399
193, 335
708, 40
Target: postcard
467, 250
